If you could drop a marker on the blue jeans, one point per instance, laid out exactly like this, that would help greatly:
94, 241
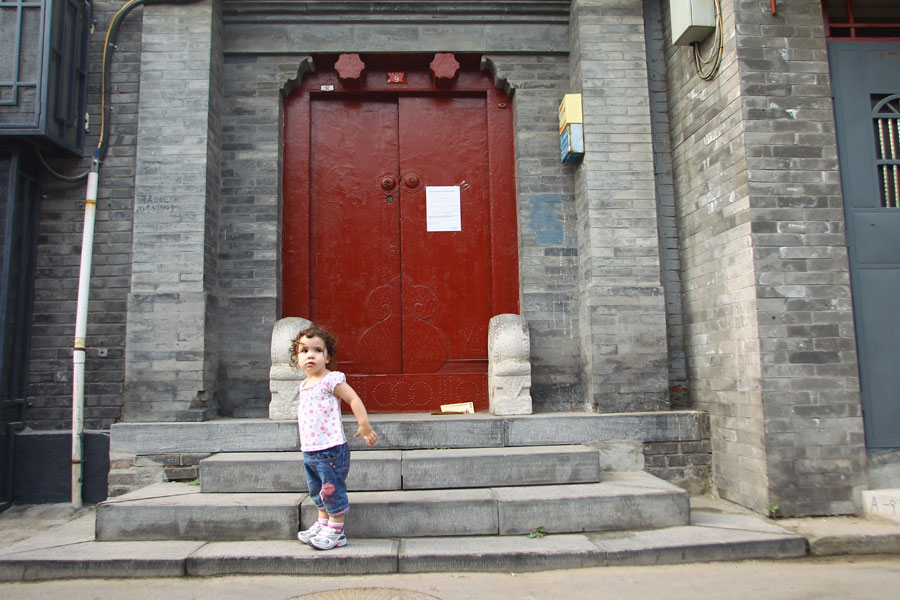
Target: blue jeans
326, 476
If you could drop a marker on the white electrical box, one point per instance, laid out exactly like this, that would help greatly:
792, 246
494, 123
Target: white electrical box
692, 20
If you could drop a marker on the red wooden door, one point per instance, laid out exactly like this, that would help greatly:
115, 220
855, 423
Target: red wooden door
446, 275
355, 231
410, 306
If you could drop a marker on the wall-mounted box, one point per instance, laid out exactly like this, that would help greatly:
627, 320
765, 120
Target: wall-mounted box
43, 71
571, 143
570, 111
692, 20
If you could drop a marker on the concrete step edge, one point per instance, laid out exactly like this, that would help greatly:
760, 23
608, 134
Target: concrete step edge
128, 559
166, 511
291, 455
408, 469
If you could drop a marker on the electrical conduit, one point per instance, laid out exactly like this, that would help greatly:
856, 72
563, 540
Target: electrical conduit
84, 278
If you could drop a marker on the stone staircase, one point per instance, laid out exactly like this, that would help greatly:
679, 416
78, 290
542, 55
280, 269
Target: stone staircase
402, 493
439, 494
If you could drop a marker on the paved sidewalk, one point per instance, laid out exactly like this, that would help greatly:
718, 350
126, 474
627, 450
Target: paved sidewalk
46, 542
836, 578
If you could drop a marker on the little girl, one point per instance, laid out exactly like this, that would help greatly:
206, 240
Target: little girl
326, 454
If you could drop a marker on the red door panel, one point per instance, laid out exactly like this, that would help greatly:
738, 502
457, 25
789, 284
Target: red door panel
447, 293
354, 231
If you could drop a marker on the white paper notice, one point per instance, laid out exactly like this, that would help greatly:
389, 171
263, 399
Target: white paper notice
442, 208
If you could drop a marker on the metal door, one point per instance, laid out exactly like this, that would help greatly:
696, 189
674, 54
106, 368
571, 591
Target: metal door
19, 208
866, 83
410, 305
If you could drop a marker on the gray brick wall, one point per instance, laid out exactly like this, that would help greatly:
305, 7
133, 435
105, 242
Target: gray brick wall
769, 336
250, 226
669, 257
721, 332
171, 361
262, 61
59, 250
687, 464
810, 385
622, 315
548, 253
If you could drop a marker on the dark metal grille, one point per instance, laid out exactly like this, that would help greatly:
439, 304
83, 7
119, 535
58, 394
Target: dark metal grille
43, 70
21, 37
862, 19
886, 117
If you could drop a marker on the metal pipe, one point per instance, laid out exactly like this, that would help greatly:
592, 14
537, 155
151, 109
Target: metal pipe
80, 349
84, 279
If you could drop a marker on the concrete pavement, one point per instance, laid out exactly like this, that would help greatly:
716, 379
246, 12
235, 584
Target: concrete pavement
836, 578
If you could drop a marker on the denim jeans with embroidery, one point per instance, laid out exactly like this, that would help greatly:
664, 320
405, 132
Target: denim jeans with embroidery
326, 476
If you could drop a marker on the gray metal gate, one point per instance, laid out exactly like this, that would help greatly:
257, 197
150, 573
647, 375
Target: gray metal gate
866, 84
19, 197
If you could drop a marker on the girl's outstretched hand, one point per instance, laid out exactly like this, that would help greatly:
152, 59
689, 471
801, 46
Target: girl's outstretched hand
367, 434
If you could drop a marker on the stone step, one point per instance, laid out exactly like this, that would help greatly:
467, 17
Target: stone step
499, 467
173, 511
409, 469
620, 501
178, 511
413, 432
266, 472
69, 551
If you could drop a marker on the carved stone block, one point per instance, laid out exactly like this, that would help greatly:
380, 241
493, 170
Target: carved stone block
284, 380
509, 366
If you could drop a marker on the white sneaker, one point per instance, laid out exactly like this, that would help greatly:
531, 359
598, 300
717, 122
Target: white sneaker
328, 538
308, 534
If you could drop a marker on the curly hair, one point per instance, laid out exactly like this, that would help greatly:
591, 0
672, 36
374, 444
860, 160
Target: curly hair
311, 332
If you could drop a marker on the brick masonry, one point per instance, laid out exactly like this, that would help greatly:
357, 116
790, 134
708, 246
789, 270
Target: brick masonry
686, 464
622, 313
548, 252
717, 201
171, 347
769, 335
815, 444
261, 64
669, 257
199, 322
59, 250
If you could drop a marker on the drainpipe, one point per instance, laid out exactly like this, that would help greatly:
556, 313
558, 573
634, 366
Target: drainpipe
80, 350
87, 244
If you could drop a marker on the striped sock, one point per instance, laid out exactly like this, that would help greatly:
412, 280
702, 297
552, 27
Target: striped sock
339, 527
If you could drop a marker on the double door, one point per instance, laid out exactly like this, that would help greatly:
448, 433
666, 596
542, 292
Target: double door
403, 296
403, 242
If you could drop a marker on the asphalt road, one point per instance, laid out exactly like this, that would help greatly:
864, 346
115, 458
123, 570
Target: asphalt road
859, 577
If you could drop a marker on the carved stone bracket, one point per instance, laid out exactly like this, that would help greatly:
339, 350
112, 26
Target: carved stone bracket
444, 67
284, 380
509, 366
349, 68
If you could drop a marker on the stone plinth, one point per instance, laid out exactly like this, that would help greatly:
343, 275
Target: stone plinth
509, 366
284, 380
